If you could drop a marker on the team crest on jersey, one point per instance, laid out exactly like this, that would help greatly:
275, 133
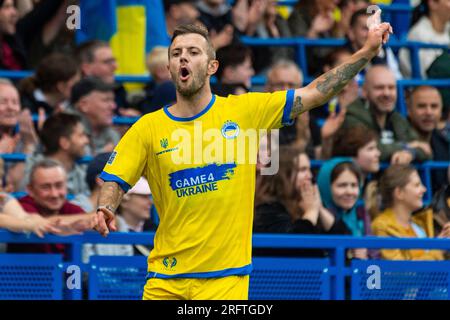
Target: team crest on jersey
169, 262
230, 130
164, 143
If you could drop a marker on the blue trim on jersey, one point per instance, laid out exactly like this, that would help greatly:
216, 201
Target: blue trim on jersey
107, 177
171, 116
242, 271
286, 120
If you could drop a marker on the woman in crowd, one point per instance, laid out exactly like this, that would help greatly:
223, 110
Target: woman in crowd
340, 181
50, 87
289, 202
360, 144
402, 192
430, 23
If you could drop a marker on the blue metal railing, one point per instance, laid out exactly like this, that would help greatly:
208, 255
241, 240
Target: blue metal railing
336, 245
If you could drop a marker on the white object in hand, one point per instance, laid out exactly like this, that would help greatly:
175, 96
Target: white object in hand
374, 20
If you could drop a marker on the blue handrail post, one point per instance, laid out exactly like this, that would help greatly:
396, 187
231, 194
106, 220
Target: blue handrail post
415, 62
428, 184
338, 279
75, 258
401, 105
301, 58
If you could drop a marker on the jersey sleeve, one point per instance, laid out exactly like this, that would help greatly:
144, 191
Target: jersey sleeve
271, 110
128, 160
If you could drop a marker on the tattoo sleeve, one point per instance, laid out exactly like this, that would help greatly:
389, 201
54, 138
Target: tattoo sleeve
334, 81
329, 84
110, 195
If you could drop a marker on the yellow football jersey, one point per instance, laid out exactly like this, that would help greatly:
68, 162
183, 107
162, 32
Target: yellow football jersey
201, 171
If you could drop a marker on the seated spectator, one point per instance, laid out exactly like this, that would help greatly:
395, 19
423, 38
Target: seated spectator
340, 183
17, 35
13, 139
224, 22
361, 145
304, 133
97, 60
93, 100
289, 202
347, 95
63, 139
179, 12
49, 88
398, 142
348, 8
268, 25
161, 90
235, 67
424, 113
314, 19
357, 36
401, 193
15, 219
430, 23
47, 192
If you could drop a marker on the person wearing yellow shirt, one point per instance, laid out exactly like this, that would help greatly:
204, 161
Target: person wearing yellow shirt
203, 182
402, 192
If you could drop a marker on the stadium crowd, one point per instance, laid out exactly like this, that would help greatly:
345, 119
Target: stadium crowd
65, 111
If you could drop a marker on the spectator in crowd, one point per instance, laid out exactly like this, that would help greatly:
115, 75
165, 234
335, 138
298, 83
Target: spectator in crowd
64, 139
340, 182
47, 192
335, 110
224, 22
13, 139
49, 88
97, 60
401, 193
161, 90
93, 100
357, 36
360, 144
430, 23
348, 94
54, 35
304, 133
314, 19
235, 67
14, 218
289, 202
267, 25
397, 140
424, 113
179, 12
348, 8
17, 36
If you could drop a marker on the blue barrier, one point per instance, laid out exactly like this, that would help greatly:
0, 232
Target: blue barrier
320, 278
301, 43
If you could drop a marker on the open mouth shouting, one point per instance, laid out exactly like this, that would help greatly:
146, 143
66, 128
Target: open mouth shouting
184, 74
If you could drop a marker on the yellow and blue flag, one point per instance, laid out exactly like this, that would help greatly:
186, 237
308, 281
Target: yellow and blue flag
132, 27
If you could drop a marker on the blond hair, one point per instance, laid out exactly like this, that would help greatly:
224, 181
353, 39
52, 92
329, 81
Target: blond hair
157, 57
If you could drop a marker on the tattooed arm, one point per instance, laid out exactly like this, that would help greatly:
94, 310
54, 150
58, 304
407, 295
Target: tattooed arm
331, 83
108, 201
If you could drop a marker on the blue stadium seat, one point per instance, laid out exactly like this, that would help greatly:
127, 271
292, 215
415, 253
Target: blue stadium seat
402, 280
290, 279
31, 277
